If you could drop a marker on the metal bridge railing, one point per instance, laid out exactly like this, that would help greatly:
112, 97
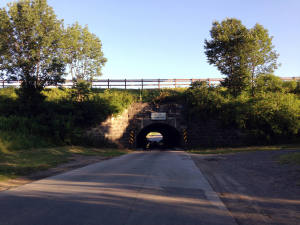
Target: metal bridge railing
137, 83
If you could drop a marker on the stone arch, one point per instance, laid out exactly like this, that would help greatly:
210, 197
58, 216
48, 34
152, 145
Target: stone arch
171, 136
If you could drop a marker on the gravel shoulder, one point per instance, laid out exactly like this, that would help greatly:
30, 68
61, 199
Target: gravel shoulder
254, 186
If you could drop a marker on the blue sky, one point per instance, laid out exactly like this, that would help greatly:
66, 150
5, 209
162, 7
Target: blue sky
165, 38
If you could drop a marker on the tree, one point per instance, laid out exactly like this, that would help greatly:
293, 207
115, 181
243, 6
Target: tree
240, 53
261, 56
31, 46
84, 54
225, 50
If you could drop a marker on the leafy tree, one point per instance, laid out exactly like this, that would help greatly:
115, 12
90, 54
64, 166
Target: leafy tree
84, 54
225, 50
261, 56
240, 53
31, 46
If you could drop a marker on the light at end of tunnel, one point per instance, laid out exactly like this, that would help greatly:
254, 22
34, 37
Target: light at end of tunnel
154, 136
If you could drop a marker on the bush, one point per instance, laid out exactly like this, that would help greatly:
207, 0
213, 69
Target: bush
269, 116
204, 101
272, 83
58, 119
269, 83
81, 90
274, 114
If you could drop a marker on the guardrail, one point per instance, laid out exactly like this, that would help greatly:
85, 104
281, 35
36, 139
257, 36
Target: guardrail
138, 83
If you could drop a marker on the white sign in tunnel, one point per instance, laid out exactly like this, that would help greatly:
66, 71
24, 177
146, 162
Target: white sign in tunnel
159, 116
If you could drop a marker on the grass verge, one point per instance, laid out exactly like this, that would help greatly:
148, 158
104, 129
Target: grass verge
16, 163
243, 149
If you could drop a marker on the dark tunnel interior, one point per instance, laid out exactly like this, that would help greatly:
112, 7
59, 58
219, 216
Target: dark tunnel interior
171, 136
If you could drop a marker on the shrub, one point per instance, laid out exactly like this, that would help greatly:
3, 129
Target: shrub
269, 83
204, 101
58, 119
274, 114
269, 116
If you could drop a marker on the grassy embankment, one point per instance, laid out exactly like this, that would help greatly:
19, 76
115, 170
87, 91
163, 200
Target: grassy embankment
16, 163
34, 138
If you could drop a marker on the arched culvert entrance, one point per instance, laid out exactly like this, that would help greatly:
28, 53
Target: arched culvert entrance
170, 136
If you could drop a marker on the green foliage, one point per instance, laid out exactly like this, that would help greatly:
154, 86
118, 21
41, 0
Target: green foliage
297, 89
226, 51
81, 90
57, 94
272, 83
271, 115
59, 120
118, 99
84, 55
290, 86
240, 53
14, 163
36, 49
203, 100
164, 95
31, 47
260, 53
269, 83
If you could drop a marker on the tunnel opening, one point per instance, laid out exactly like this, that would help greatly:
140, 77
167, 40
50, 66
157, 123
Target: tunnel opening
154, 140
158, 136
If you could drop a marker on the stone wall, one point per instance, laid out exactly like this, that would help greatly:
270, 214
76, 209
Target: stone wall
113, 128
211, 133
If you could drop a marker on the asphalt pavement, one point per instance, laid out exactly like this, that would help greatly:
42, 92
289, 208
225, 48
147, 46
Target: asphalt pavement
141, 188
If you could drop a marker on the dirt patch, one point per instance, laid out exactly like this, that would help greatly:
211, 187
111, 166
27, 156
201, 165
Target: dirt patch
77, 161
254, 186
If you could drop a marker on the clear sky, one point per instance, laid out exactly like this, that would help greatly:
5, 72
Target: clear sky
165, 38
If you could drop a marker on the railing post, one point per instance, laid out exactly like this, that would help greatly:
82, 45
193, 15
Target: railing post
141, 98
142, 84
158, 83
125, 84
175, 83
108, 83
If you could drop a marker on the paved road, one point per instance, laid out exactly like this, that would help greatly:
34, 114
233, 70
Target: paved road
142, 188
